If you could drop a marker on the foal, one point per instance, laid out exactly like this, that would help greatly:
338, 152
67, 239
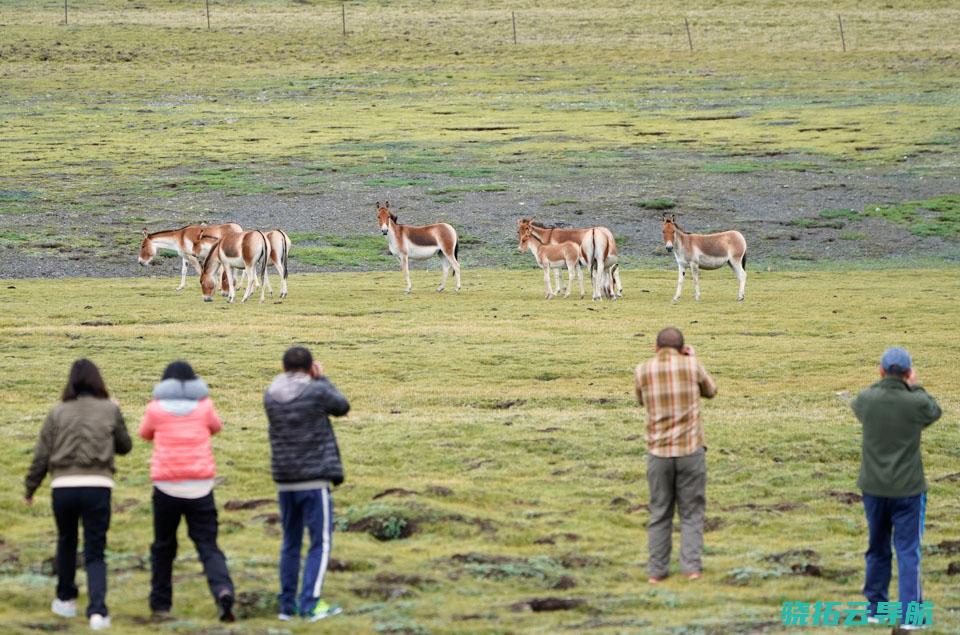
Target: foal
555, 255
420, 243
184, 241
279, 251
250, 250
705, 251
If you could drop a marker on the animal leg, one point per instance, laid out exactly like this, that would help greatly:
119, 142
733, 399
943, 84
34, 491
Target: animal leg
445, 265
742, 277
580, 279
266, 284
600, 282
249, 290
183, 273
676, 296
456, 269
557, 274
405, 266
546, 279
194, 262
695, 269
281, 271
231, 288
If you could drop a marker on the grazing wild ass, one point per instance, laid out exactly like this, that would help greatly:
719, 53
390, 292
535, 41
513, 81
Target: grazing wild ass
556, 255
705, 251
596, 243
279, 253
250, 250
182, 241
420, 243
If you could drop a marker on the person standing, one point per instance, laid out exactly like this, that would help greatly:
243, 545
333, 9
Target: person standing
305, 462
893, 413
180, 419
77, 445
669, 386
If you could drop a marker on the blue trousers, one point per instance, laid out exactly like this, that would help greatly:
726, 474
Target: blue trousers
312, 509
903, 519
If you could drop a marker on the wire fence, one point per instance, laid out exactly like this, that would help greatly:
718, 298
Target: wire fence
808, 28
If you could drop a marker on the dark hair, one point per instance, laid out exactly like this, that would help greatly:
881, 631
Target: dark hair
670, 337
84, 379
297, 358
179, 370
897, 371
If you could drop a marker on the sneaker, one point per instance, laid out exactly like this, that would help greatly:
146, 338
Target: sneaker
322, 610
284, 617
64, 608
911, 627
158, 617
225, 602
99, 622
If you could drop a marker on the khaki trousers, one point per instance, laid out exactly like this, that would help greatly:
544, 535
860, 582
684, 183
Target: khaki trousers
680, 483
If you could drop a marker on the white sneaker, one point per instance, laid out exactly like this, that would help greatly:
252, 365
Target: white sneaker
912, 627
99, 622
64, 608
283, 617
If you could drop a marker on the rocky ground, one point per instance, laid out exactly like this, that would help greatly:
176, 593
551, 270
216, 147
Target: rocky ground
766, 205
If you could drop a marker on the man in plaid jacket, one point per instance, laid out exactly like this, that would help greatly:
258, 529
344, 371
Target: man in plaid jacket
669, 386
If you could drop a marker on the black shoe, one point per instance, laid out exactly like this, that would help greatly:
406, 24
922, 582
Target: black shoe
225, 602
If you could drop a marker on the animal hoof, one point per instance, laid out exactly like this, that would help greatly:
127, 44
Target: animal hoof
440, 290
740, 299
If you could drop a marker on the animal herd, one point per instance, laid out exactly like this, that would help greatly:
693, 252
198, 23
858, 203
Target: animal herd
217, 251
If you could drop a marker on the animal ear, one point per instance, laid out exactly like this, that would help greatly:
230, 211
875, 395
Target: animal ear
386, 204
145, 232
394, 217
378, 204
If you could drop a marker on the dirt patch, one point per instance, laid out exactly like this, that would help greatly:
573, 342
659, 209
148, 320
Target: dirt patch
338, 565
256, 603
785, 506
538, 605
385, 528
237, 505
47, 627
948, 546
553, 538
395, 491
953, 568
267, 519
121, 506
847, 498
388, 577
439, 490
382, 592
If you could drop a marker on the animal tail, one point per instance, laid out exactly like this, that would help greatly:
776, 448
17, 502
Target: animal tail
456, 249
743, 259
264, 257
286, 250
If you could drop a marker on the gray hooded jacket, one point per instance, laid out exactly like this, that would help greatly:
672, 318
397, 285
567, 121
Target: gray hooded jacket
302, 442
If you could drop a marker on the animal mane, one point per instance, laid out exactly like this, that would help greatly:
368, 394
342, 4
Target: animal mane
167, 231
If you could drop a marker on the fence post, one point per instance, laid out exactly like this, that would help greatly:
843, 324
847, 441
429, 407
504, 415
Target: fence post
843, 40
689, 38
207, 3
343, 17
513, 17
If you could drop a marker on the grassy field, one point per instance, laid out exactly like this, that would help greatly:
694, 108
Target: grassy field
135, 104
498, 433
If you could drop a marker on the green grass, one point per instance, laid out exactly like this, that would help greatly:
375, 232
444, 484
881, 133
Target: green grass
341, 252
657, 204
159, 107
510, 424
939, 216
478, 187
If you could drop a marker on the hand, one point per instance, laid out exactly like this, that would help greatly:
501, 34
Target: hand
316, 371
687, 350
28, 500
115, 401
911, 378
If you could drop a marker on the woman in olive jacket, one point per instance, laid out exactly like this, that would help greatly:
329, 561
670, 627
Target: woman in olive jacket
77, 443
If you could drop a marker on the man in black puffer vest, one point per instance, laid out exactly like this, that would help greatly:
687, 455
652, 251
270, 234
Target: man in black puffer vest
305, 462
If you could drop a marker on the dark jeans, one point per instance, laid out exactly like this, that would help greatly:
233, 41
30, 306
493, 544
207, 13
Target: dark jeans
201, 515
676, 483
313, 509
92, 505
902, 520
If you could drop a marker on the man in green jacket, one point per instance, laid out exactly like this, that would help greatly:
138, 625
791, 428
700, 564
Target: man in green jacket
894, 411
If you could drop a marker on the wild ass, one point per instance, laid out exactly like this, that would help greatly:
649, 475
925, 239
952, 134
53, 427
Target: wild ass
250, 250
556, 255
420, 243
705, 251
597, 244
279, 253
181, 241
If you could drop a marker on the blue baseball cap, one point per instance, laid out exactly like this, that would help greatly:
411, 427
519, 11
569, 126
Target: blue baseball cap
895, 356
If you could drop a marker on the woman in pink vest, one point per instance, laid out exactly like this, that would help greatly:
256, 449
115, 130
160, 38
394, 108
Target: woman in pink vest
180, 421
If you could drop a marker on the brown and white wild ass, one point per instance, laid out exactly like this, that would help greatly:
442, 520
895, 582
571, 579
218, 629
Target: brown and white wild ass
279, 254
250, 250
420, 243
597, 244
556, 255
182, 241
705, 251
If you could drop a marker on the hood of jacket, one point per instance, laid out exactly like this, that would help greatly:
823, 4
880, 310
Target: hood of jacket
288, 386
180, 397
